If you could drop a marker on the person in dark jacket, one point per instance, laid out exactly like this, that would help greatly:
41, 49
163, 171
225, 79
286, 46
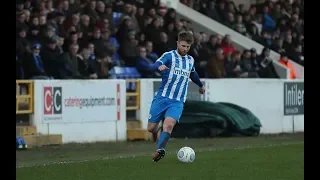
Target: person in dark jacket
51, 58
33, 64
69, 70
144, 64
86, 66
266, 67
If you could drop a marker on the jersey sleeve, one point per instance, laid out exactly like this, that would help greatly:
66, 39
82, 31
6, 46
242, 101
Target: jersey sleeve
193, 69
163, 59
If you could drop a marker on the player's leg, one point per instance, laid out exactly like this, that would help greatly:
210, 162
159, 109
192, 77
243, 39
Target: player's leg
154, 129
156, 114
172, 116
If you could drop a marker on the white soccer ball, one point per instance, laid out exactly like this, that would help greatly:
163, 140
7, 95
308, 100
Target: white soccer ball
186, 155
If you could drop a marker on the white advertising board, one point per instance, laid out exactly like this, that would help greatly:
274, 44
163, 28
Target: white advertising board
263, 97
81, 110
80, 101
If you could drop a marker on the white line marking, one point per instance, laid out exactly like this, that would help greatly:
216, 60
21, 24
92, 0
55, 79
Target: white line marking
147, 154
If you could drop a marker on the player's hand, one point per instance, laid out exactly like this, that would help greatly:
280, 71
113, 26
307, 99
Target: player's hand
202, 90
162, 68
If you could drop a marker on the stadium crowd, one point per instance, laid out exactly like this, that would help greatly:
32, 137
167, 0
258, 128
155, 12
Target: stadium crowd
278, 25
85, 39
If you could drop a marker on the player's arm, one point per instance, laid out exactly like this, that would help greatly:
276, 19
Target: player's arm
160, 64
195, 77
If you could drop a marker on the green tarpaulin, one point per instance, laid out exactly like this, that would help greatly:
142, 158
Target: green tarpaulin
208, 119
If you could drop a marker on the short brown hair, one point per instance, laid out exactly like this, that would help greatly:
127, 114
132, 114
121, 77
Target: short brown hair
185, 36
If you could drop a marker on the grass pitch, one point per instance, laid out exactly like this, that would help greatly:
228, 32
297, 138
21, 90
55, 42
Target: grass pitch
260, 158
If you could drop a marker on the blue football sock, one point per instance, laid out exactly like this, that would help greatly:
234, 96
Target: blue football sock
163, 140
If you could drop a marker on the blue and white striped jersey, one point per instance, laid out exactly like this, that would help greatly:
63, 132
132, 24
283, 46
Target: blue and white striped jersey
175, 80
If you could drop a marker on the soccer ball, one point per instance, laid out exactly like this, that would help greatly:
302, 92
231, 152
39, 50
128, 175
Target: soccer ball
186, 155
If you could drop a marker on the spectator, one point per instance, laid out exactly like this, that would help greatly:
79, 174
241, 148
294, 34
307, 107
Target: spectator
33, 65
254, 60
104, 64
98, 41
211, 11
150, 53
70, 63
130, 11
112, 31
297, 55
278, 46
86, 67
22, 44
153, 31
140, 15
196, 49
233, 69
144, 64
128, 49
285, 61
246, 64
227, 45
112, 46
164, 45
215, 67
265, 64
266, 22
212, 45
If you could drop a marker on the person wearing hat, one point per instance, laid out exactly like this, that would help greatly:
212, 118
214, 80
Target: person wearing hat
33, 64
22, 44
285, 61
50, 55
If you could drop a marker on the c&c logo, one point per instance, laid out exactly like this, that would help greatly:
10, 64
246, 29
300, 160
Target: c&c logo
52, 100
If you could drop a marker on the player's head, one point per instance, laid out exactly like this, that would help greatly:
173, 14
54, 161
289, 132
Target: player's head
185, 39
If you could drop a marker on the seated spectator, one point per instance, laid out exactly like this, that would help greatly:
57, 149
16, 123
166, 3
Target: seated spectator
267, 22
278, 46
233, 68
70, 68
265, 64
150, 53
297, 55
144, 64
128, 49
285, 61
22, 44
92, 54
215, 67
103, 64
112, 46
246, 64
197, 49
86, 67
212, 44
239, 26
164, 45
51, 59
227, 45
98, 41
254, 59
33, 65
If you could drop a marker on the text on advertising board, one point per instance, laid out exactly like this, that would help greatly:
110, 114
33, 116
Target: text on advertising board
69, 105
293, 98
